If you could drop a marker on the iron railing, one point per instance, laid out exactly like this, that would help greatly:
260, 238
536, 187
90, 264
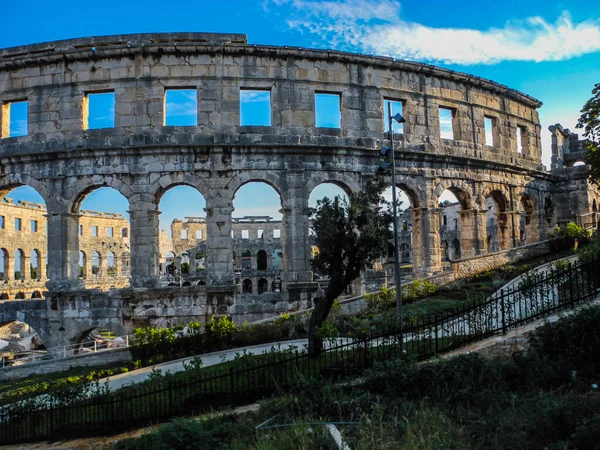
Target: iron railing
250, 377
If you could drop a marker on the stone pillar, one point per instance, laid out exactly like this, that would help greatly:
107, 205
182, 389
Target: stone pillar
26, 263
219, 245
427, 252
480, 231
9, 272
63, 252
294, 237
467, 233
41, 270
144, 243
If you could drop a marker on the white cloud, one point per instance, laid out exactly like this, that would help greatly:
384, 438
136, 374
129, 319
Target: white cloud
376, 27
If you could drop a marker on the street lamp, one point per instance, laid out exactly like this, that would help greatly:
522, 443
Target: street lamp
385, 151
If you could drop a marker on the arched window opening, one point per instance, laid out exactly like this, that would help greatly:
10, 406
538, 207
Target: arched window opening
96, 264
247, 286
263, 285
4, 275
19, 265
125, 264
34, 265
246, 259
261, 260
456, 252
36, 294
111, 269
82, 264
103, 215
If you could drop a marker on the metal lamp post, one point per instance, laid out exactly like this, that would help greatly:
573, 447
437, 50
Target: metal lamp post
398, 118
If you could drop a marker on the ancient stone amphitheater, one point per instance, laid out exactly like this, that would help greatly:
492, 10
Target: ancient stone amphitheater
499, 181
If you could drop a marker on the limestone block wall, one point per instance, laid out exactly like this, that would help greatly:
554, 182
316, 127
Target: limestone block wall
64, 159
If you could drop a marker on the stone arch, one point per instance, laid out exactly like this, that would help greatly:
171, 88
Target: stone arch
85, 186
263, 285
15, 180
528, 223
36, 294
171, 180
91, 338
497, 204
4, 296
261, 260
125, 263
253, 176
111, 264
415, 194
20, 296
349, 183
461, 190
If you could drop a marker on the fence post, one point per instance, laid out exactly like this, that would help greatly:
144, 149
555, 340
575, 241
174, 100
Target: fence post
502, 311
570, 267
435, 321
170, 387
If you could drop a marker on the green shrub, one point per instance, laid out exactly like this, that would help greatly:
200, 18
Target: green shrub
382, 300
418, 289
565, 237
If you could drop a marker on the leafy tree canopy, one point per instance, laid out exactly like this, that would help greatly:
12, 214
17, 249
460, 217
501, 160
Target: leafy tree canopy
590, 122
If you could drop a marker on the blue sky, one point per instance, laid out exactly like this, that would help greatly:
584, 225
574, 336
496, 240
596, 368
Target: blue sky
547, 49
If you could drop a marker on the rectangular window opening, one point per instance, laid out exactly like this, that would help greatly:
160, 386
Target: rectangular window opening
14, 119
80, 230
124, 232
260, 234
181, 107
17, 224
488, 123
1, 222
98, 110
199, 234
34, 226
276, 233
184, 234
94, 230
397, 106
255, 107
446, 122
110, 231
521, 136
245, 234
328, 111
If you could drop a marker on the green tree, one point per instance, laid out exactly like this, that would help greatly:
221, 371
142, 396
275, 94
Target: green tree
350, 235
590, 122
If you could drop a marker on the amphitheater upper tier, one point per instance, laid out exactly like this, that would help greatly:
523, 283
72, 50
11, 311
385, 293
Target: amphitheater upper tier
55, 78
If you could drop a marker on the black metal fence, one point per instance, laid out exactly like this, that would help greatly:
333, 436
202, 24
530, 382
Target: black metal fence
250, 377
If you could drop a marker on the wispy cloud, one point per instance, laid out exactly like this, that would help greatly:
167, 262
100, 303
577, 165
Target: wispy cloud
377, 27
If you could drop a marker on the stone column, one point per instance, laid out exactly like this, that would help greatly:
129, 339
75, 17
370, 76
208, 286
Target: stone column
427, 252
9, 272
480, 231
294, 236
219, 245
41, 270
26, 263
467, 233
63, 251
144, 247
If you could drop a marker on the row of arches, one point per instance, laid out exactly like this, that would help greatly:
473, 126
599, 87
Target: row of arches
486, 217
23, 268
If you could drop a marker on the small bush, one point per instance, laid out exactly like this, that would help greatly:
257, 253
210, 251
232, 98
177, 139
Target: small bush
563, 238
418, 289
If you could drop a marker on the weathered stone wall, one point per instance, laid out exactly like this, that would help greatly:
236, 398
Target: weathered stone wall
29, 241
142, 158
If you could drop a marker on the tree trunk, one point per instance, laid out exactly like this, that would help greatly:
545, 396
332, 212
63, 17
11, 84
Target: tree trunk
323, 303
